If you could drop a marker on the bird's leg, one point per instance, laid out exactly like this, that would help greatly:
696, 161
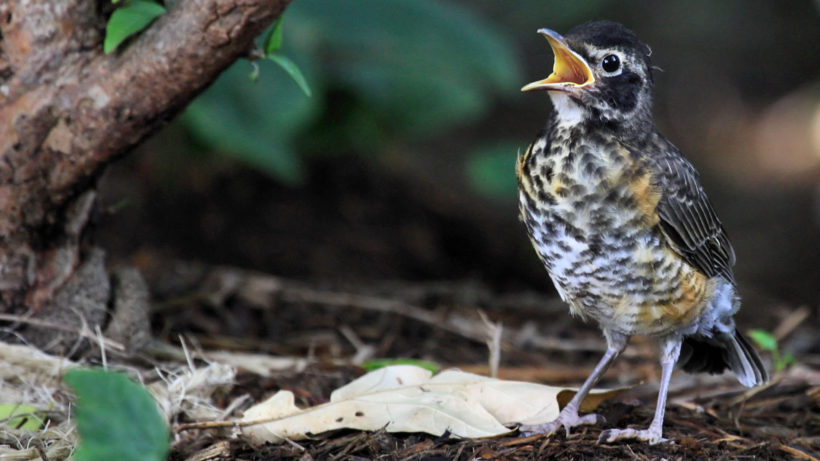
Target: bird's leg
569, 416
670, 350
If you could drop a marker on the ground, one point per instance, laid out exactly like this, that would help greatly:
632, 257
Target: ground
339, 274
707, 418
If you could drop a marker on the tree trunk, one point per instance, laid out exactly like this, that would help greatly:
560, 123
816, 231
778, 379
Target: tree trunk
67, 110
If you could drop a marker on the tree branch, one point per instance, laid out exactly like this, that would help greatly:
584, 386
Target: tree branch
67, 110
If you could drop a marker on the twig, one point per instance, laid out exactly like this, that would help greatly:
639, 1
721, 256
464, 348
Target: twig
363, 351
41, 452
791, 322
294, 444
102, 346
219, 450
727, 437
206, 425
797, 453
235, 403
188, 359
494, 331
522, 440
742, 398
219, 424
84, 331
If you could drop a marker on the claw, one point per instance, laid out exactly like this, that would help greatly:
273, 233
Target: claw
651, 435
568, 419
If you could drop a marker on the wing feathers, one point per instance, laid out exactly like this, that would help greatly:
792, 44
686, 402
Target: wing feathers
688, 220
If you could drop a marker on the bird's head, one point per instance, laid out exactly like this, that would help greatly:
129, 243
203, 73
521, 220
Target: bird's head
602, 73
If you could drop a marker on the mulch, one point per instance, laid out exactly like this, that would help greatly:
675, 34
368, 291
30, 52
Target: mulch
710, 419
767, 426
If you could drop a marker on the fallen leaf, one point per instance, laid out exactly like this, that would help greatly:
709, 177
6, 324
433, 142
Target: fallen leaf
20, 416
407, 398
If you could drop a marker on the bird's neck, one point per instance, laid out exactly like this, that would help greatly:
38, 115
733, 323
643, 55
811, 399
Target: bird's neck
568, 113
573, 115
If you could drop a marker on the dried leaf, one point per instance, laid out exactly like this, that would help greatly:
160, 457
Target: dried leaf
406, 398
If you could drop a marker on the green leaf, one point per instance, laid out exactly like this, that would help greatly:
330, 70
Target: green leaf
787, 360
254, 122
273, 41
764, 340
293, 70
117, 418
21, 416
130, 18
491, 170
375, 364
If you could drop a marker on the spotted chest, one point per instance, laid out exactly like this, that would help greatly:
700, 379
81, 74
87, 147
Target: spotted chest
589, 206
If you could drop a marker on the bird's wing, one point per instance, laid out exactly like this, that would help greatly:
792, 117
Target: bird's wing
688, 220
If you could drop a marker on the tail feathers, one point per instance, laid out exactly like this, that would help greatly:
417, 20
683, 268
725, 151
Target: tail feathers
700, 354
746, 363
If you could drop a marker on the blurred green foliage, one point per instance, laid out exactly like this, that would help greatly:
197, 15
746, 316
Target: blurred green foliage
380, 70
490, 169
375, 364
388, 72
255, 121
769, 343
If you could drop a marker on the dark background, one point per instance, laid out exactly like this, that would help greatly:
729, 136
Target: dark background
401, 164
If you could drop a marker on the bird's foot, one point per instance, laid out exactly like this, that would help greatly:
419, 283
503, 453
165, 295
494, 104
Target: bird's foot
651, 435
568, 418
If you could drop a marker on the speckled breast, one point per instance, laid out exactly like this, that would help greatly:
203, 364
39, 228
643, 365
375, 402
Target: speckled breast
590, 210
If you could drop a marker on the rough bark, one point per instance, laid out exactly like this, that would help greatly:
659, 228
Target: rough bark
67, 110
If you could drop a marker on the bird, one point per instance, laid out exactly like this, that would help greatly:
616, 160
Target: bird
621, 222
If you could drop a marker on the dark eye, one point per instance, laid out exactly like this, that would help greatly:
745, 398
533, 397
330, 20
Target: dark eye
611, 63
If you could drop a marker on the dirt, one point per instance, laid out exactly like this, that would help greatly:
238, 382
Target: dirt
707, 418
766, 426
325, 271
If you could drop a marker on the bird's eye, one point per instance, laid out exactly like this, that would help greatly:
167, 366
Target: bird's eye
611, 63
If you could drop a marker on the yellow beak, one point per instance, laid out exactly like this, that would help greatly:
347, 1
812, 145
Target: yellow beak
569, 71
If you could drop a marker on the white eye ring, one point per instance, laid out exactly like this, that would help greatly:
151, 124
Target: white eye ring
611, 64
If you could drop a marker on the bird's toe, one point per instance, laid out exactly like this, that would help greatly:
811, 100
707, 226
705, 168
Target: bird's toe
527, 430
645, 435
567, 420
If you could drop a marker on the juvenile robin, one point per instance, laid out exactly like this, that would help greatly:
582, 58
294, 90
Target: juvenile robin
620, 220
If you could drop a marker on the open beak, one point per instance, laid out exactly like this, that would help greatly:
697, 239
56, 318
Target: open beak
569, 71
